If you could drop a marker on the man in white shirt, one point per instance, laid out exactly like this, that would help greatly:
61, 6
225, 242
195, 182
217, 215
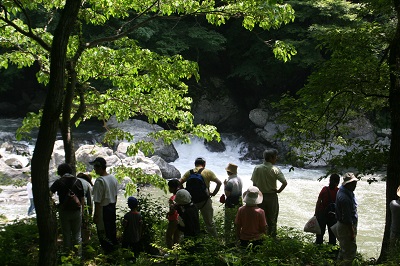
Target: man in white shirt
105, 192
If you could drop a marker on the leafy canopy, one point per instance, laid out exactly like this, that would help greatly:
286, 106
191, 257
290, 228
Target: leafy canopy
108, 73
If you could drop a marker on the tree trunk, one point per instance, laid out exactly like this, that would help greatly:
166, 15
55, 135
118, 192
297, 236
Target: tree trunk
66, 117
393, 168
46, 218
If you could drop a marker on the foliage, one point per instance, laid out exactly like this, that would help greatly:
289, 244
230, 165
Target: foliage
351, 84
19, 243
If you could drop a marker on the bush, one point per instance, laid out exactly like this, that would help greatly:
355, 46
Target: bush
19, 243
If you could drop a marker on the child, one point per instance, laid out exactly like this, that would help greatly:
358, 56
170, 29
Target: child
173, 235
133, 226
250, 220
188, 222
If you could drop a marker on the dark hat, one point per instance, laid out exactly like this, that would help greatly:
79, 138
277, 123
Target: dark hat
132, 202
99, 161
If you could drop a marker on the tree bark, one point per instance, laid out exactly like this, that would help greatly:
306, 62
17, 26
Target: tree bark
393, 168
46, 218
66, 116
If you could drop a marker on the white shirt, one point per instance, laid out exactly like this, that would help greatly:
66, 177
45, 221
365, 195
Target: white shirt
29, 190
105, 190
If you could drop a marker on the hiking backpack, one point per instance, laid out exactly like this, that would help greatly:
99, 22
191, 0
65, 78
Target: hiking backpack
197, 187
71, 202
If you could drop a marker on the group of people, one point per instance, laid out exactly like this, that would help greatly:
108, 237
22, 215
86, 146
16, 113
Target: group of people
336, 209
249, 215
257, 217
102, 196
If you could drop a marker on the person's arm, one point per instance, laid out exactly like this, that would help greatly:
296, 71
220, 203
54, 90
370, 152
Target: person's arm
96, 212
219, 183
283, 185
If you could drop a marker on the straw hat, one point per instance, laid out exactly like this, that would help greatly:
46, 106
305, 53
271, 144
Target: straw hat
252, 196
232, 168
348, 178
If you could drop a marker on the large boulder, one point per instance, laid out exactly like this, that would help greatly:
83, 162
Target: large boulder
168, 171
141, 130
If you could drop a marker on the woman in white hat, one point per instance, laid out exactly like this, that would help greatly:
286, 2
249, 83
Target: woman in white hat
188, 223
250, 220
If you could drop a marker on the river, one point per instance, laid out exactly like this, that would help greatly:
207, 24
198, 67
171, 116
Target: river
297, 201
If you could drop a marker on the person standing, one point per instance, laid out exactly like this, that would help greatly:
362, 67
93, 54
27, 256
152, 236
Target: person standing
265, 177
205, 207
250, 219
324, 211
395, 225
71, 219
105, 191
31, 208
347, 219
86, 181
233, 191
133, 227
188, 219
172, 235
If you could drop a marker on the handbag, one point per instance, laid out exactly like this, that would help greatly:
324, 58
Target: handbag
312, 226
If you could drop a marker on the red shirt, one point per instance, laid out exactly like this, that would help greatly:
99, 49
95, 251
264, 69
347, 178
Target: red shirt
251, 221
326, 196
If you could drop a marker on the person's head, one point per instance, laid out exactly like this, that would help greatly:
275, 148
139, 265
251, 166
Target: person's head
132, 203
99, 165
270, 155
398, 192
231, 169
174, 185
334, 180
183, 197
349, 181
200, 161
86, 176
252, 196
63, 169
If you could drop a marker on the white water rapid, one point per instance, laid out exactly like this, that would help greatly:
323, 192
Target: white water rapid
297, 201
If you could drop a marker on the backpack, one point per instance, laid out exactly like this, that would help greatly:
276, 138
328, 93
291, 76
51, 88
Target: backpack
197, 187
71, 202
330, 210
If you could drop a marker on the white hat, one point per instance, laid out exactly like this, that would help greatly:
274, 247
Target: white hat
252, 196
183, 197
348, 178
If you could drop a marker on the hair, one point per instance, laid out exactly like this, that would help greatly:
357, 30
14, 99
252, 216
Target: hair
174, 183
132, 203
334, 180
199, 161
87, 177
269, 154
63, 169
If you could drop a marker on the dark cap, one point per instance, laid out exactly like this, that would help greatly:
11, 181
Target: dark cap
99, 161
132, 202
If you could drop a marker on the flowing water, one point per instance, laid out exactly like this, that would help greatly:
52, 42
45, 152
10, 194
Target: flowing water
297, 201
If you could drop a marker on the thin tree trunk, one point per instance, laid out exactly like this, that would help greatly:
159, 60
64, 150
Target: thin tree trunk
46, 218
393, 169
66, 117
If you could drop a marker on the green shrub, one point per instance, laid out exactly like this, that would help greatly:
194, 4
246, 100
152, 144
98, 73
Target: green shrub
19, 243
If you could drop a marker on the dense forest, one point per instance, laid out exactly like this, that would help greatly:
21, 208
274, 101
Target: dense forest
320, 64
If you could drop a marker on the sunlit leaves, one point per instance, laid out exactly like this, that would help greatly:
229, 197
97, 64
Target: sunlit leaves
284, 51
